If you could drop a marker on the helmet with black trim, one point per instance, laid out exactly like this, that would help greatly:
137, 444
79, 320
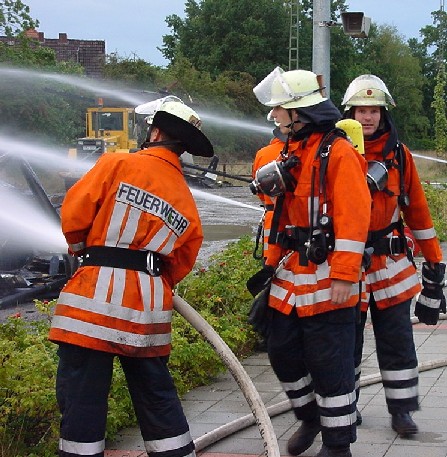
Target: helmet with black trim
179, 122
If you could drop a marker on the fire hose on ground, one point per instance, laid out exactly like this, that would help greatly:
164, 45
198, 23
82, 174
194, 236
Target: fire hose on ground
260, 413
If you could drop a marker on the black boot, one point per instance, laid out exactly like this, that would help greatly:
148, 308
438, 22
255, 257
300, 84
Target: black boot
303, 438
359, 417
326, 451
403, 424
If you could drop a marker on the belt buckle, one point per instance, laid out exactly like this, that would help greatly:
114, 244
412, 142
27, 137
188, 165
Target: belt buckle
397, 246
152, 268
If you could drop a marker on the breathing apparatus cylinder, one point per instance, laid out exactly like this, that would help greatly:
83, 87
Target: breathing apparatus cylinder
376, 176
354, 131
274, 178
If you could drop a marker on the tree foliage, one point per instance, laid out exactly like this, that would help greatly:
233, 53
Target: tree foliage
439, 105
224, 35
15, 18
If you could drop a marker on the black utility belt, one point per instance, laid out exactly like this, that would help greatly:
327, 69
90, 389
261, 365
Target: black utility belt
128, 259
394, 245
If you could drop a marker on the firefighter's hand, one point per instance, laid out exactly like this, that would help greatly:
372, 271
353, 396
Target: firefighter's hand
431, 300
340, 291
260, 280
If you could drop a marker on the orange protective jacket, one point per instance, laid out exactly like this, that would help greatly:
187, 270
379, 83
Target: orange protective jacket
393, 279
308, 288
264, 156
137, 201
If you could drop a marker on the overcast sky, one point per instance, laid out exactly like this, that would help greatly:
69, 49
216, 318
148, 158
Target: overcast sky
135, 27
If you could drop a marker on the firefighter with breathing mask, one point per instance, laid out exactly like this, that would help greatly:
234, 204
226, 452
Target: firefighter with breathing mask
391, 280
263, 156
134, 221
319, 229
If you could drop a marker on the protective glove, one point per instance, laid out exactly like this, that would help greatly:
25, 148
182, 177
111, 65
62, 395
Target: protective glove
260, 280
431, 300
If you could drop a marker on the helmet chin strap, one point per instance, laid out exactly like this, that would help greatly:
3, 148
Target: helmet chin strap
149, 144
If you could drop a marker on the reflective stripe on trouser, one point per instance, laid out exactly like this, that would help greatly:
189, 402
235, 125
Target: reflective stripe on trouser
396, 355
313, 359
82, 387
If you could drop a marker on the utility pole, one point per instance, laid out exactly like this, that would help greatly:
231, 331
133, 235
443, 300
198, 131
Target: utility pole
322, 41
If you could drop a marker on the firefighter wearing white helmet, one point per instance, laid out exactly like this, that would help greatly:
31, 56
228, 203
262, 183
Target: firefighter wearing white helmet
319, 228
179, 121
367, 90
391, 279
134, 221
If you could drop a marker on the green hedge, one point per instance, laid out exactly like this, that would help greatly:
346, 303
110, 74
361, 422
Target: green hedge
29, 417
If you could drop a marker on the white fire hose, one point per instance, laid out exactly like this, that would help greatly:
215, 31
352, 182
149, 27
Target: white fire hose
260, 414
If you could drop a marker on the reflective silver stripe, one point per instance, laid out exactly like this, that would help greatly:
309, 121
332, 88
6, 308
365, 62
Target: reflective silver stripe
336, 402
158, 239
339, 421
349, 246
399, 375
396, 289
118, 284
433, 303
168, 444
128, 234
309, 280
146, 290
314, 297
116, 220
392, 269
110, 334
76, 247
426, 234
169, 246
73, 447
266, 232
401, 394
396, 214
297, 385
102, 284
301, 401
118, 311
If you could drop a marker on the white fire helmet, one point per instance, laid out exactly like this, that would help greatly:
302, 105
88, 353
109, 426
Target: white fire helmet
367, 90
290, 89
150, 108
179, 121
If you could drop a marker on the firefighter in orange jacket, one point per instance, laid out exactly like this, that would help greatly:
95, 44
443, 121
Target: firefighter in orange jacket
392, 281
323, 205
133, 219
263, 156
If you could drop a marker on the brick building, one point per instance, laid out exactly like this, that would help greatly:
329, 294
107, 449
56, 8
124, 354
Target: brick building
88, 53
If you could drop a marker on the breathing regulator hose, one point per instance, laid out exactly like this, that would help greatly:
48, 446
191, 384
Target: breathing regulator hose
260, 413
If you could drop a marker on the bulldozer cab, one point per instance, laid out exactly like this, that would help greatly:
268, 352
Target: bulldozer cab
107, 130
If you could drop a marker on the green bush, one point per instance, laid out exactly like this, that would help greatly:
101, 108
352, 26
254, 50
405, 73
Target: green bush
437, 201
29, 416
